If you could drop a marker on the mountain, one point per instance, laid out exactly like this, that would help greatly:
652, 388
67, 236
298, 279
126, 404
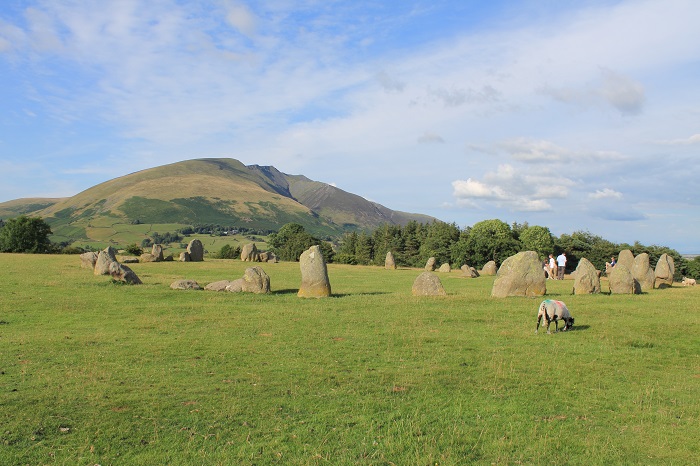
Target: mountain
211, 191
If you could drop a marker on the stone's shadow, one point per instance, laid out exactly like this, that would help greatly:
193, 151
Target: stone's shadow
333, 295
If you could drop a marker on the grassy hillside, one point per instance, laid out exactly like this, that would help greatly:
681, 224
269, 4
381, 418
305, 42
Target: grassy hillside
207, 191
98, 373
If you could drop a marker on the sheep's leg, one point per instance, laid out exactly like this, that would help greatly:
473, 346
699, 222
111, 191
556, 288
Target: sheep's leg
539, 319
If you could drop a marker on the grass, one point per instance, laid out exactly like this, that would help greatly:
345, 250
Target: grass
92, 372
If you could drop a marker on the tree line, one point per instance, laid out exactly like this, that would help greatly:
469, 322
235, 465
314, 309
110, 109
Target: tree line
411, 244
489, 240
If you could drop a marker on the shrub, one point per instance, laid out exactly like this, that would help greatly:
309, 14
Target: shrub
229, 252
134, 249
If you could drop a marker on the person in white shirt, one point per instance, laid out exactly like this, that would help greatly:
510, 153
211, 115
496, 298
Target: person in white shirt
561, 265
552, 267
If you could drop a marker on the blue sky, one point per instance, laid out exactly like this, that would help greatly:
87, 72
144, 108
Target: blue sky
575, 115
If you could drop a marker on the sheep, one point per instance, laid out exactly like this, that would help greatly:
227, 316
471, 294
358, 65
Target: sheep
688, 281
553, 310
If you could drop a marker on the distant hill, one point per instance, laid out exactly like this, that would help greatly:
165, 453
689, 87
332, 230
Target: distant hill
211, 191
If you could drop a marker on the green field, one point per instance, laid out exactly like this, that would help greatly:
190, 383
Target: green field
93, 372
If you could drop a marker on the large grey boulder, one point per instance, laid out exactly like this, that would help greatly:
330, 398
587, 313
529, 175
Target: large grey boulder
249, 253
185, 284
586, 278
88, 260
195, 250
255, 280
427, 284
430, 265
123, 273
642, 272
489, 269
625, 258
663, 273
520, 275
621, 281
104, 259
220, 285
184, 257
445, 268
314, 275
389, 262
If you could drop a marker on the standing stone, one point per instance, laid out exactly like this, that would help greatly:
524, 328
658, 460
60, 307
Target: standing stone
621, 281
157, 252
445, 268
130, 260
184, 256
249, 253
389, 262
88, 260
123, 273
625, 258
642, 272
195, 250
428, 284
469, 271
263, 257
147, 257
255, 280
430, 265
314, 275
489, 269
520, 275
663, 273
587, 278
104, 259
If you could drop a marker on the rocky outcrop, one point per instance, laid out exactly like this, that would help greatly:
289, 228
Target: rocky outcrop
185, 284
249, 253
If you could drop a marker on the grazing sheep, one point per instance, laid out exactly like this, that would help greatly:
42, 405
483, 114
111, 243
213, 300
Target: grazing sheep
688, 281
553, 310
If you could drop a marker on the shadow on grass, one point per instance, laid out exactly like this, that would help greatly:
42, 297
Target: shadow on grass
577, 328
333, 295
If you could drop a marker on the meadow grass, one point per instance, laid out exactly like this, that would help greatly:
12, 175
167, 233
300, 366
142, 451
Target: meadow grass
94, 372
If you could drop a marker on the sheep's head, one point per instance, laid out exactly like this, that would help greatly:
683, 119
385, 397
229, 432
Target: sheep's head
569, 323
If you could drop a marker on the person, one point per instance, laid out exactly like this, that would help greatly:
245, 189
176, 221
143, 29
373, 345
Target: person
561, 265
545, 267
612, 261
552, 267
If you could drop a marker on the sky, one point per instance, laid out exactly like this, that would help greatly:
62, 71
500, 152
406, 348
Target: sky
574, 115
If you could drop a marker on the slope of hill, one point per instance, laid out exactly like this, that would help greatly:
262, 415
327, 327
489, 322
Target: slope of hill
216, 191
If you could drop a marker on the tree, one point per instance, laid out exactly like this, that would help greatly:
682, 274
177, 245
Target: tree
438, 241
538, 239
292, 240
25, 234
491, 240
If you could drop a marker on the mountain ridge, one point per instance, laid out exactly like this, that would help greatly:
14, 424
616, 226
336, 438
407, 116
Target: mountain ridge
211, 190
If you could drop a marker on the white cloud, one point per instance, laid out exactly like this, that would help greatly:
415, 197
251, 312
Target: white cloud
622, 92
694, 139
513, 189
605, 193
240, 17
430, 138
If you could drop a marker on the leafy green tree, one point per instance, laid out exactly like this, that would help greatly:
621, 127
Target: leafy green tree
346, 252
491, 240
439, 239
229, 252
538, 239
692, 268
292, 240
25, 234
